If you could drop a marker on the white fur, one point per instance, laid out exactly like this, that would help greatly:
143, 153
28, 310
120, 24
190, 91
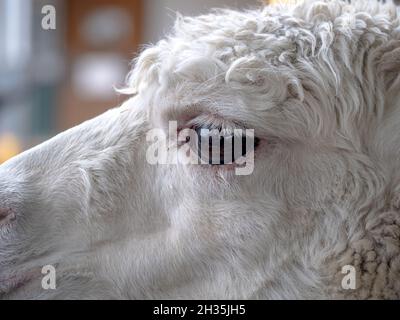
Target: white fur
317, 81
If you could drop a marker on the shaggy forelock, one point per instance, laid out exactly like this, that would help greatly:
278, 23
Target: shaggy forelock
312, 54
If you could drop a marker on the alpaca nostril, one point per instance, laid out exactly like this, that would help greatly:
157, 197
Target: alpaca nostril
6, 216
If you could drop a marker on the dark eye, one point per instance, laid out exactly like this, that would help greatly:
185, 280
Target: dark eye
218, 147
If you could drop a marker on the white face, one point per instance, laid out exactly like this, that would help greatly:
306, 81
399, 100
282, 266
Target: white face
88, 201
113, 225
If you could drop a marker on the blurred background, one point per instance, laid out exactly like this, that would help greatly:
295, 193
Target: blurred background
59, 68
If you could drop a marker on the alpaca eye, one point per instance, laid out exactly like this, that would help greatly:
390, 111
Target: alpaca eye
217, 146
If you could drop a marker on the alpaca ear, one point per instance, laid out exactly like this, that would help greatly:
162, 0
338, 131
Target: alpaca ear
145, 71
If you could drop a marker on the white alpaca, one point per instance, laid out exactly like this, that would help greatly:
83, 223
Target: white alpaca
318, 82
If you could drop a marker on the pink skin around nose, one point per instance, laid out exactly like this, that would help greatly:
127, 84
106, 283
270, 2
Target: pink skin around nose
6, 216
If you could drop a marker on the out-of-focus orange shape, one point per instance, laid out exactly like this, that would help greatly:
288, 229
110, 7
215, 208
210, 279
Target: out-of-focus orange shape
9, 147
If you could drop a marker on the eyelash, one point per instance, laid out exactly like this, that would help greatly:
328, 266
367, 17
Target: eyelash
227, 134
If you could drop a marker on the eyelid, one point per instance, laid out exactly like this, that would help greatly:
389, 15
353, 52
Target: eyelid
210, 121
226, 131
205, 120
228, 155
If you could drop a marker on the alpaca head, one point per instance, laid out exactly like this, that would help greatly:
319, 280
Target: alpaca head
314, 82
